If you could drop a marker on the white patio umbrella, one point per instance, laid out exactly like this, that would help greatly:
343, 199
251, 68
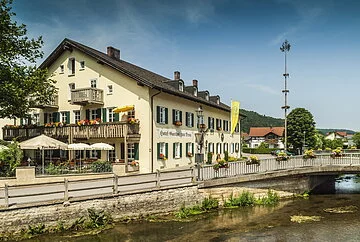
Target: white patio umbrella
42, 142
79, 146
103, 146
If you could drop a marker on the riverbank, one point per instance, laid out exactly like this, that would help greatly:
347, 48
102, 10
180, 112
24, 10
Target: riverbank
55, 217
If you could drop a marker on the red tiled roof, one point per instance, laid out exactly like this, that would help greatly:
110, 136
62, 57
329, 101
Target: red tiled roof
262, 131
343, 134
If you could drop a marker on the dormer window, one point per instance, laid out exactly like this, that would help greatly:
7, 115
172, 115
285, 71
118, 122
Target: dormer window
181, 86
218, 100
207, 96
195, 91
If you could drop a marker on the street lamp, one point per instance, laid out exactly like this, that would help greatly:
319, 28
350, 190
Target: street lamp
199, 137
285, 48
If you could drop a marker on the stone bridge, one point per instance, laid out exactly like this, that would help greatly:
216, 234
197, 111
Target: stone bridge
293, 175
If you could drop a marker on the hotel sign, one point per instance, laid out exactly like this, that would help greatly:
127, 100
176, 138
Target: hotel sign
174, 133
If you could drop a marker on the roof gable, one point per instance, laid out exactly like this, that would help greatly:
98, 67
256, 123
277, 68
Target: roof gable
263, 131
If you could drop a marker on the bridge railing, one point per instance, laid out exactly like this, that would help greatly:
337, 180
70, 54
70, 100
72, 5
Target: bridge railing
238, 168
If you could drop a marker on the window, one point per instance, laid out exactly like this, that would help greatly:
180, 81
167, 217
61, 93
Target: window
48, 118
211, 123
36, 118
93, 83
112, 154
189, 119
218, 124
218, 148
189, 149
207, 97
226, 147
61, 69
71, 87
195, 91
110, 115
200, 120
131, 151
82, 65
76, 116
232, 148
237, 128
162, 115
64, 117
237, 145
211, 147
110, 89
162, 149
181, 86
226, 125
93, 114
177, 117
71, 66
131, 114
177, 150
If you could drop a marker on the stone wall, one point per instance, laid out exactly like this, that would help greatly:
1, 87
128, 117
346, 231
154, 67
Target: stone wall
156, 202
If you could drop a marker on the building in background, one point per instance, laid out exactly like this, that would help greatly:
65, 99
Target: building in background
270, 135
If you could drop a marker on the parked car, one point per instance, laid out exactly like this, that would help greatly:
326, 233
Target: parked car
276, 152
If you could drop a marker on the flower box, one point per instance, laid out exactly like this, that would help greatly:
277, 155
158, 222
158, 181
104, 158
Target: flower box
178, 123
133, 121
253, 160
218, 129
189, 154
221, 164
202, 126
309, 154
162, 157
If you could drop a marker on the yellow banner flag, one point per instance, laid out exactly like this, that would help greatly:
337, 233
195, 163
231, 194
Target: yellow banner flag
235, 110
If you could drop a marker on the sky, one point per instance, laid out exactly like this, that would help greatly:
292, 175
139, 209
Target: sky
231, 47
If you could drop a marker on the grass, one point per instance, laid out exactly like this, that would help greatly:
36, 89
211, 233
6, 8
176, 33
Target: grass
206, 205
247, 198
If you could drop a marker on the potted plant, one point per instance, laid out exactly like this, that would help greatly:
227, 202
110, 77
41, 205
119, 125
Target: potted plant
309, 154
253, 160
218, 128
202, 126
282, 156
220, 164
134, 163
133, 121
337, 153
162, 157
178, 123
189, 154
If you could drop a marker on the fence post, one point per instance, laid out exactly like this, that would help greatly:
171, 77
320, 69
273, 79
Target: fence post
351, 159
66, 192
6, 191
193, 179
115, 187
158, 178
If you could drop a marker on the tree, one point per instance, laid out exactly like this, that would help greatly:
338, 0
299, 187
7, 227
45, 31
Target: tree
301, 126
356, 139
333, 144
22, 85
10, 159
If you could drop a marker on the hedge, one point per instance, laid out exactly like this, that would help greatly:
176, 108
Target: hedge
259, 151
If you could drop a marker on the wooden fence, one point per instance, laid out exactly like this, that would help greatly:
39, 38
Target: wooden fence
68, 191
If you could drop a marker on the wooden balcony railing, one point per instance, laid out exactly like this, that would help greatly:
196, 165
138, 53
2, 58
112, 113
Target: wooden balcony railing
72, 131
84, 96
54, 103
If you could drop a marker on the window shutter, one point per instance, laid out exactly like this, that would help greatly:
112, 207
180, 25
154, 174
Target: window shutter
87, 114
192, 120
180, 149
174, 153
122, 151
192, 150
56, 116
158, 150
98, 154
136, 151
67, 117
98, 113
21, 121
157, 114
104, 115
209, 121
166, 115
181, 116
173, 116
186, 149
45, 118
186, 118
166, 150
116, 117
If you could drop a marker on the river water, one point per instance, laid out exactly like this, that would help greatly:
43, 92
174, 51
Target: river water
250, 223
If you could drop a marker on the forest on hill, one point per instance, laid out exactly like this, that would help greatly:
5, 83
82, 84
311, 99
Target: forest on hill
253, 119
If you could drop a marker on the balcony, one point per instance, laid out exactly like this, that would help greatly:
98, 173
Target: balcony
72, 131
53, 104
85, 96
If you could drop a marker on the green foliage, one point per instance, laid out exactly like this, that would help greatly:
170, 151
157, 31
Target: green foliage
272, 198
52, 169
263, 145
21, 86
356, 139
101, 166
258, 150
97, 218
207, 205
244, 199
209, 157
10, 159
301, 120
35, 230
226, 156
333, 144
253, 119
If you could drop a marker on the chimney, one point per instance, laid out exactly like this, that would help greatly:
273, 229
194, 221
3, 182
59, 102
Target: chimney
195, 83
176, 75
113, 53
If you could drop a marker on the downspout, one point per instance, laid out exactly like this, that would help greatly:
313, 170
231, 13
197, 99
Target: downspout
152, 129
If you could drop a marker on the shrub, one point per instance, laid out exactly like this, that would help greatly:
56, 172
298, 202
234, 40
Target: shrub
244, 199
209, 157
272, 198
101, 166
258, 150
206, 205
10, 159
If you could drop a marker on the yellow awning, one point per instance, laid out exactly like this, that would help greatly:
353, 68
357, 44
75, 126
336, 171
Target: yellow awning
123, 109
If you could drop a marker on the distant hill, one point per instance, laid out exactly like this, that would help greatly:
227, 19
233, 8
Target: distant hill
254, 119
325, 131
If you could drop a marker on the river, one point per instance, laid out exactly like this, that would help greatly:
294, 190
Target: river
250, 223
